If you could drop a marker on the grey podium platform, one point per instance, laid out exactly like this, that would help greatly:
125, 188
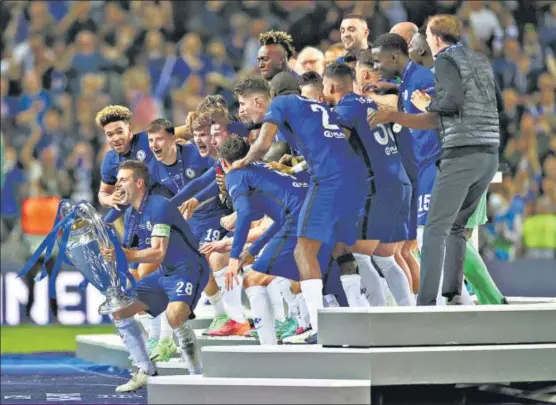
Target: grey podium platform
108, 349
206, 390
386, 366
433, 326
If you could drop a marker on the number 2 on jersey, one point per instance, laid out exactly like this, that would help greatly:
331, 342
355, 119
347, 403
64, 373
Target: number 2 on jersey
325, 117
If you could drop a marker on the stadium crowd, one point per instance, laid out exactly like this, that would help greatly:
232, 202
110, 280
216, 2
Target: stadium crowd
62, 61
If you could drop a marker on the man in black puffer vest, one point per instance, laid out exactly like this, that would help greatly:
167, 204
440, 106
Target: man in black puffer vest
465, 112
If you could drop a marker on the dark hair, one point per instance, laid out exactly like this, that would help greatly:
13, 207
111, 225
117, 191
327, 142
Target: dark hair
391, 42
140, 170
160, 124
280, 38
349, 57
355, 16
339, 70
365, 57
285, 83
233, 148
252, 85
310, 79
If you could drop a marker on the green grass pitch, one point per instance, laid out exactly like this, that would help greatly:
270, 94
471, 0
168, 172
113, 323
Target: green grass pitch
50, 338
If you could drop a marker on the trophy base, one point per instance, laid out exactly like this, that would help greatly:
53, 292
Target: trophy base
115, 302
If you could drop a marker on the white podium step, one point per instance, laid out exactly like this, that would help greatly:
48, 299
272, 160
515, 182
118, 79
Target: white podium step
108, 349
386, 366
434, 326
206, 390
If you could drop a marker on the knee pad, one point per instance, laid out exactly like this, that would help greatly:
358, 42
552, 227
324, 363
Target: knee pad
347, 264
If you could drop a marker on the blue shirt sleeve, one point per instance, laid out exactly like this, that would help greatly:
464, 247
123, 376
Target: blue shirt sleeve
238, 128
344, 116
208, 192
194, 187
238, 189
161, 211
113, 214
107, 173
276, 112
126, 235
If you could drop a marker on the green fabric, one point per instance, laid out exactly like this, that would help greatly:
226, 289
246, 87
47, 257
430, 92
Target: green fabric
476, 274
539, 232
479, 217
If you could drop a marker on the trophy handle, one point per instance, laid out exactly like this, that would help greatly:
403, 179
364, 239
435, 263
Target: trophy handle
86, 211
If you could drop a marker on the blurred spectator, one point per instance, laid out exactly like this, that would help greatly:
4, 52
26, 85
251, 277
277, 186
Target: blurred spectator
539, 231
11, 197
310, 59
504, 230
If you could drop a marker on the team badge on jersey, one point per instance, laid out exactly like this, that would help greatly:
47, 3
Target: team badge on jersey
189, 172
149, 226
141, 155
396, 128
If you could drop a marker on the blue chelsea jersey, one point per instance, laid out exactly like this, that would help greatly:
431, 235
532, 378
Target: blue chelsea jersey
139, 150
421, 146
376, 147
158, 217
314, 131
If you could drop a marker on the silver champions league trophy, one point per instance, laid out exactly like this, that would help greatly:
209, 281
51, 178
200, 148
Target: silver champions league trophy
88, 233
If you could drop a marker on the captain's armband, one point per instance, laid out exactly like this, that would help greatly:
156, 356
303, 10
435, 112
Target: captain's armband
161, 230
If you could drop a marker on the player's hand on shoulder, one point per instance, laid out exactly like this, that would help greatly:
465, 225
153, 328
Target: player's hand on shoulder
280, 167
380, 116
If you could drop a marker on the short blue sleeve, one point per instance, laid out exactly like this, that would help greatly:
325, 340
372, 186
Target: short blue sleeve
344, 114
126, 235
276, 112
161, 210
109, 169
238, 128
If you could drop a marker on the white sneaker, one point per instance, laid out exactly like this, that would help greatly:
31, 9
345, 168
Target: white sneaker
138, 380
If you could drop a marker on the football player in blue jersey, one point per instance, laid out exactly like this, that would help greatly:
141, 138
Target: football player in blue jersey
419, 50
419, 148
257, 190
337, 187
174, 289
383, 225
